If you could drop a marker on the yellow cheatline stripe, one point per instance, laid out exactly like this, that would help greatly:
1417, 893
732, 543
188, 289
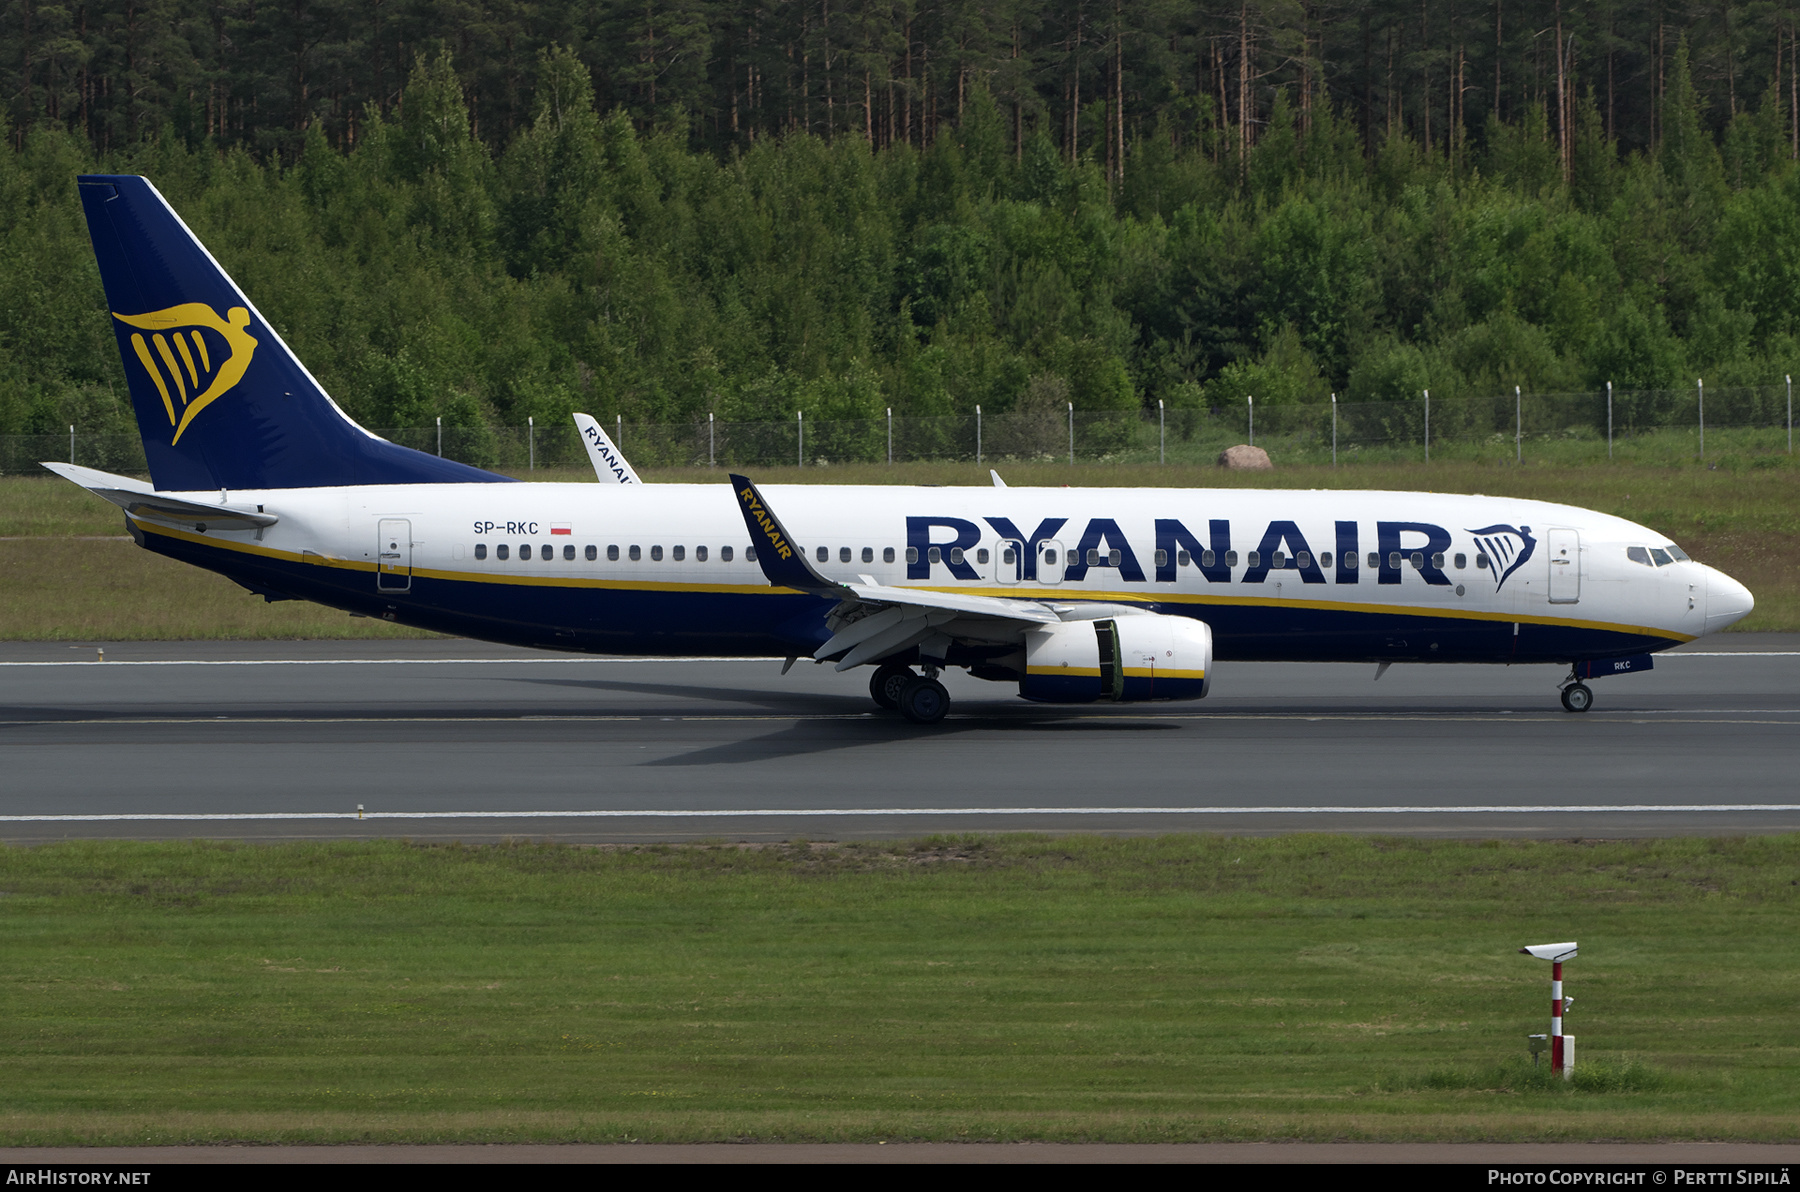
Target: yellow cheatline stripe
531, 581
1148, 672
1092, 672
1454, 614
549, 581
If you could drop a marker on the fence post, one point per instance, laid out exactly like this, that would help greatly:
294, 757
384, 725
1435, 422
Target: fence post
1700, 385
978, 433
1251, 398
1518, 426
1428, 426
800, 437
71, 443
890, 411
440, 428
1609, 421
1071, 433
619, 427
711, 453
530, 443
1334, 430
1790, 385
1162, 434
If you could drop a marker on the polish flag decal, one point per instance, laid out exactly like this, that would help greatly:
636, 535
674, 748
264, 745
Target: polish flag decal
560, 528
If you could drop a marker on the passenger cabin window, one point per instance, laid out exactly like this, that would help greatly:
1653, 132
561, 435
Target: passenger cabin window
725, 553
569, 552
1278, 560
843, 554
1009, 556
500, 552
1162, 557
912, 554
1417, 560
612, 554
932, 555
750, 554
656, 554
1255, 558
593, 552
868, 554
524, 550
1394, 559
1462, 561
1049, 556
1208, 558
824, 553
1661, 556
887, 554
699, 554
981, 556
636, 553
1231, 558
1437, 560
1303, 559
1182, 558
956, 554
546, 552
678, 553
1350, 560
481, 550
1326, 560
1375, 560
1481, 561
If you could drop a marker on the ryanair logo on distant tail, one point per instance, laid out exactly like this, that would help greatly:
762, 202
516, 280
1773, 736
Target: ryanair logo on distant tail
193, 356
1507, 549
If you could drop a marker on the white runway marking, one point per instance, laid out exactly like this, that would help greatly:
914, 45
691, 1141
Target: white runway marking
766, 812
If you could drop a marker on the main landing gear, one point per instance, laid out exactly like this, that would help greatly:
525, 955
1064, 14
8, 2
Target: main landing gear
919, 698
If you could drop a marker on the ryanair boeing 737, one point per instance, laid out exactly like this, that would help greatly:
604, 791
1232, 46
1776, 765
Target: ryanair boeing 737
1073, 594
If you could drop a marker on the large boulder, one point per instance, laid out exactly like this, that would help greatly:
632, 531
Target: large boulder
1245, 458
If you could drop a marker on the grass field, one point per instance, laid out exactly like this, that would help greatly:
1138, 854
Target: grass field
1180, 987
61, 579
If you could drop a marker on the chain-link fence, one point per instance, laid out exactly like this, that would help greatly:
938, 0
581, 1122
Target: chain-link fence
1663, 425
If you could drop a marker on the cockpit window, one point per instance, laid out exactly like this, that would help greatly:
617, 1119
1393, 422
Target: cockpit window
1661, 556
1638, 554
1676, 553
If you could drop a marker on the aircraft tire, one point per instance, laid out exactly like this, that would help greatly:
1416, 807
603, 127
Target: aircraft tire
1577, 697
924, 701
886, 686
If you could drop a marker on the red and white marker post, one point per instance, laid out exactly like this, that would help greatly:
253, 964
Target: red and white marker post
1561, 1050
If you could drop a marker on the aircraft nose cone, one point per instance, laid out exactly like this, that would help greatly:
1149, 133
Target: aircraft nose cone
1727, 601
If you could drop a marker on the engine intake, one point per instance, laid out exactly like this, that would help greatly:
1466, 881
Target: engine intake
1150, 656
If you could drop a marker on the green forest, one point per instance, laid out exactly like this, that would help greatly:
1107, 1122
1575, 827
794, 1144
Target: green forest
455, 217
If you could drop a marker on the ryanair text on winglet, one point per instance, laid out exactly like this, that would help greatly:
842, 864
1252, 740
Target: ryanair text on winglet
776, 542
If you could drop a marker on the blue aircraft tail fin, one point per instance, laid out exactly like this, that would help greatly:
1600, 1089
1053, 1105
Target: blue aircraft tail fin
221, 401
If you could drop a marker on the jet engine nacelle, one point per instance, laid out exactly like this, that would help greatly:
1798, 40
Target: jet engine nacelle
1147, 656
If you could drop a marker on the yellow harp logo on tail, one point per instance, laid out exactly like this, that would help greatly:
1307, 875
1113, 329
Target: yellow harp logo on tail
192, 355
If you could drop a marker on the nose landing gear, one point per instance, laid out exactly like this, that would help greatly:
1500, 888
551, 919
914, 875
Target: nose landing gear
1577, 697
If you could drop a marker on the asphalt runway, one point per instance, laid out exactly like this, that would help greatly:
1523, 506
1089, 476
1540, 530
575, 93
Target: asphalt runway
457, 740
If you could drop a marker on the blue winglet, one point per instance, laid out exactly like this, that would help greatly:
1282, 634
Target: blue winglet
221, 401
783, 564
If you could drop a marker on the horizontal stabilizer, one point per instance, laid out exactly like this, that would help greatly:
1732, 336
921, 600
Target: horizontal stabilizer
140, 500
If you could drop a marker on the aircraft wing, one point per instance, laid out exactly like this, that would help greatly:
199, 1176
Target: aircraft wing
872, 621
609, 463
140, 500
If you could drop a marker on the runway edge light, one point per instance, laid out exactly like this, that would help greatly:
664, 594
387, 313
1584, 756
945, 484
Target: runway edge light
1562, 1047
